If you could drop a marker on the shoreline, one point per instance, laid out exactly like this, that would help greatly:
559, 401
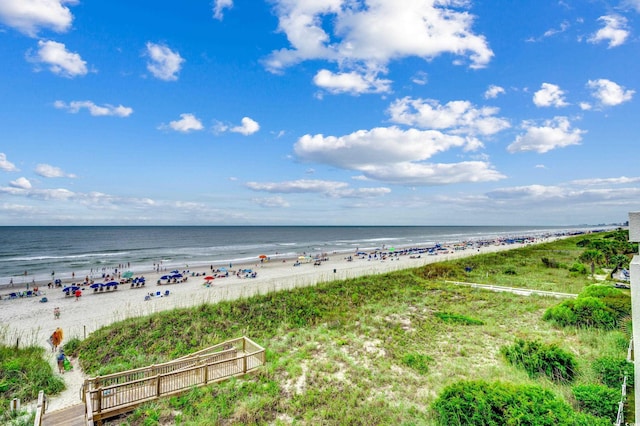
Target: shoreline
30, 320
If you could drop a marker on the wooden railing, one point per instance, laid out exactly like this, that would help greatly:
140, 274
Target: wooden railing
114, 394
40, 408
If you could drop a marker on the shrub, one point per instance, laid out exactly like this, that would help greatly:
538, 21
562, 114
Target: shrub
592, 312
578, 268
482, 403
538, 359
458, 319
550, 263
596, 306
598, 290
510, 270
611, 371
598, 400
562, 314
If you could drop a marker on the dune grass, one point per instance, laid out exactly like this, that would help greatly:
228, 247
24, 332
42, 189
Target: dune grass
24, 371
370, 350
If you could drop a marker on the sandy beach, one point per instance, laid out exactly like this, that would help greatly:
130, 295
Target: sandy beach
29, 321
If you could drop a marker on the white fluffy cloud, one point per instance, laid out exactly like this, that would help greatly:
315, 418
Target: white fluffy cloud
95, 110
186, 124
609, 93
59, 59
350, 82
366, 37
49, 171
219, 6
615, 31
271, 202
21, 182
29, 16
333, 189
7, 165
393, 155
493, 91
553, 134
460, 117
549, 95
535, 196
248, 127
163, 63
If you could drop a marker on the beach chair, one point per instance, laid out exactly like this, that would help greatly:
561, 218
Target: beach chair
166, 292
158, 294
147, 297
44, 300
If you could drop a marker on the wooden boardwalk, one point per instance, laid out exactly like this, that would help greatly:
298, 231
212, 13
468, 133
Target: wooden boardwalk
70, 416
115, 394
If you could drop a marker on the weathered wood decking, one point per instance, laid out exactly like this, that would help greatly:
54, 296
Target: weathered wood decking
115, 394
108, 396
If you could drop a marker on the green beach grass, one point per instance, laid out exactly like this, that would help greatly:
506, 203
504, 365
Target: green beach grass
369, 350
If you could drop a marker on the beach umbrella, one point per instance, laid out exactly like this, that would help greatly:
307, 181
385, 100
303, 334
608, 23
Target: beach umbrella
222, 269
209, 278
96, 285
164, 277
127, 274
176, 276
263, 256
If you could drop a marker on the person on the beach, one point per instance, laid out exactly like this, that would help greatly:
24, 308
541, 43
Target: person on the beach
60, 358
56, 312
56, 339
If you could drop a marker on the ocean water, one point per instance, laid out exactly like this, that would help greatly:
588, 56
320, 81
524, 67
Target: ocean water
40, 253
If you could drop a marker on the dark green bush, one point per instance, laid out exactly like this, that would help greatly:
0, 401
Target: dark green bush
537, 359
550, 263
611, 371
596, 306
592, 312
598, 290
578, 268
598, 400
482, 403
510, 270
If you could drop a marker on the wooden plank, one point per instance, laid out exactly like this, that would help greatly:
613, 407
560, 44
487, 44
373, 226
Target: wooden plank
70, 416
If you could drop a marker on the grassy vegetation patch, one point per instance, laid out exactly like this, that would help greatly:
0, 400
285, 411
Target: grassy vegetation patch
498, 403
23, 373
370, 350
539, 359
458, 318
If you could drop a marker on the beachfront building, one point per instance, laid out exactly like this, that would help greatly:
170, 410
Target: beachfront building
634, 237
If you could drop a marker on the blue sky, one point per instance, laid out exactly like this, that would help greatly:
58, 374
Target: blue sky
319, 112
